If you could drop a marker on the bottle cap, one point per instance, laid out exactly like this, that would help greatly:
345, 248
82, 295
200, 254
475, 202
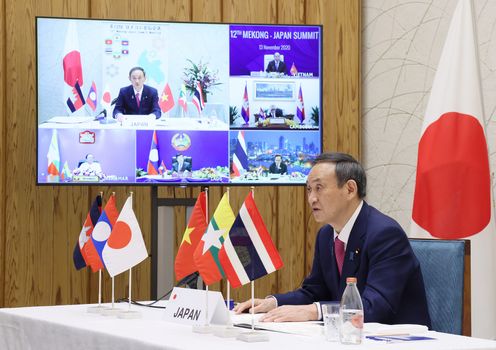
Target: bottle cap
351, 280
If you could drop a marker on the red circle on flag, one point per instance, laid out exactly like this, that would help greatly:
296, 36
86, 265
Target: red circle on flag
453, 187
121, 235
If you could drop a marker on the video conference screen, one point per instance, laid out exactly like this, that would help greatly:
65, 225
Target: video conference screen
133, 102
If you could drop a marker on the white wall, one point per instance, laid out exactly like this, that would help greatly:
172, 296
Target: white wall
402, 43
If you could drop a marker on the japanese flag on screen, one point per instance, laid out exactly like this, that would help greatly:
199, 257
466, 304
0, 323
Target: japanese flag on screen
125, 246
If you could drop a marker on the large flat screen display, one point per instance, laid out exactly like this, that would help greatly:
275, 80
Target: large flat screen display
133, 102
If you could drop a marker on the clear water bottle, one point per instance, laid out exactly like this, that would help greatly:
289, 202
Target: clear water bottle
351, 311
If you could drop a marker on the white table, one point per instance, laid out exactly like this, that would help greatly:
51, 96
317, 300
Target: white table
71, 327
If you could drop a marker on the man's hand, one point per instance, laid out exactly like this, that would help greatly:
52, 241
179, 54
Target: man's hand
261, 305
120, 117
292, 313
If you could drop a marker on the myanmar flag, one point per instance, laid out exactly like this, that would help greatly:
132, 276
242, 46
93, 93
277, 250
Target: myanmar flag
206, 254
184, 264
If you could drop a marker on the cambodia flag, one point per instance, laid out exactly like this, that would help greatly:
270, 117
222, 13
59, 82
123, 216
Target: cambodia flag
166, 101
453, 192
153, 156
84, 246
184, 264
300, 107
248, 251
77, 100
91, 99
240, 156
198, 98
245, 109
104, 226
125, 247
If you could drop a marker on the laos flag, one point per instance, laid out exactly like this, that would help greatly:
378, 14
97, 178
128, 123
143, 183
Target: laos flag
104, 226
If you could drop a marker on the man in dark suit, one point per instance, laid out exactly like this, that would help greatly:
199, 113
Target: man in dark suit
356, 240
275, 112
278, 167
276, 65
137, 98
181, 163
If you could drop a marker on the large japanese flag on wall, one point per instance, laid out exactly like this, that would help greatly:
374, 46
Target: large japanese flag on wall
453, 196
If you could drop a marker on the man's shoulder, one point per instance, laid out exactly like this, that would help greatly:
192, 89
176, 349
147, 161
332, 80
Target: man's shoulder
379, 222
150, 89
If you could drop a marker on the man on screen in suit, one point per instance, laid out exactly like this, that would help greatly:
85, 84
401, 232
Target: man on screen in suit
278, 167
181, 164
356, 240
137, 98
276, 65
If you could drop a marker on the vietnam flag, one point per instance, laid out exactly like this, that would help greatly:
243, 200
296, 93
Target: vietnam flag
248, 252
184, 264
166, 101
206, 254
293, 70
153, 156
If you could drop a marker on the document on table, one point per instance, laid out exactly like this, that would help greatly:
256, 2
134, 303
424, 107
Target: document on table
309, 328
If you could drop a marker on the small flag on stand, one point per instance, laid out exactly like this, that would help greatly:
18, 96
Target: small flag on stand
91, 99
300, 107
248, 251
261, 114
240, 156
153, 156
293, 70
53, 156
245, 109
84, 251
183, 102
166, 101
206, 254
184, 264
104, 226
198, 98
125, 247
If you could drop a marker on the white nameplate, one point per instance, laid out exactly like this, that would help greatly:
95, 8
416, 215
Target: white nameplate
188, 306
138, 121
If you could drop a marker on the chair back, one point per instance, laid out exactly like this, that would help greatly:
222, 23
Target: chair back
445, 268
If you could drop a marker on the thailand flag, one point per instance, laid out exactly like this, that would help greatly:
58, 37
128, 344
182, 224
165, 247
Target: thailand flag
82, 255
248, 252
300, 107
245, 109
91, 99
104, 226
153, 156
240, 156
198, 98
125, 247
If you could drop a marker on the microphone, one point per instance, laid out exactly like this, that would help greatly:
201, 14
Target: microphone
190, 280
114, 101
101, 115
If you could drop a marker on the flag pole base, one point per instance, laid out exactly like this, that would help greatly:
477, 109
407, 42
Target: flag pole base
253, 337
129, 314
204, 329
95, 309
108, 121
227, 332
111, 311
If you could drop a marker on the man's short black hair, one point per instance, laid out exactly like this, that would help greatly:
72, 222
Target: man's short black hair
347, 168
137, 68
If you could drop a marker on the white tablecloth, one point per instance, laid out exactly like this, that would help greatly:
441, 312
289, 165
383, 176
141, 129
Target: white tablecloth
71, 327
